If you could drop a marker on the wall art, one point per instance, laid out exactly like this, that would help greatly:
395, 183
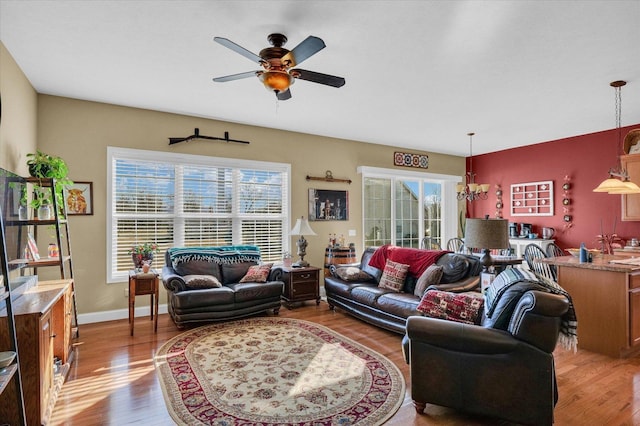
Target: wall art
532, 199
328, 204
79, 198
404, 159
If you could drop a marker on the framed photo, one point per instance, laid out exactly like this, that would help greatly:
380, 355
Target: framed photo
328, 204
78, 198
33, 247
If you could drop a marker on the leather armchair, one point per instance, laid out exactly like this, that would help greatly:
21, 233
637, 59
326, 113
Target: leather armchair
507, 374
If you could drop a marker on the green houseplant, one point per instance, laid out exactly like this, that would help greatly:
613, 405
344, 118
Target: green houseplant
42, 165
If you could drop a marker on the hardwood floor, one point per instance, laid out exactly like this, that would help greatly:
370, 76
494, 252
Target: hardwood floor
113, 382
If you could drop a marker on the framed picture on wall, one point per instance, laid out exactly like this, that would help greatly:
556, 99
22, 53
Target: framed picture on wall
79, 198
327, 204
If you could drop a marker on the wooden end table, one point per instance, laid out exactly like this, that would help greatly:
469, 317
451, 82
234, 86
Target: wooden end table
301, 284
141, 284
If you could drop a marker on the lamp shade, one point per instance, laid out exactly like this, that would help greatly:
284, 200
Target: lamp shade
302, 228
486, 233
610, 184
629, 188
276, 80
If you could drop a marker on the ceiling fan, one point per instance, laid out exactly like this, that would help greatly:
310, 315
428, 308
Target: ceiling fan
277, 62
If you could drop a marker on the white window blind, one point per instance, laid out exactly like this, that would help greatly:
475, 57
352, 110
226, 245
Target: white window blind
189, 200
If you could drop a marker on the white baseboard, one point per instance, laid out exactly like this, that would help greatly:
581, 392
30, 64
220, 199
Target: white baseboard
140, 311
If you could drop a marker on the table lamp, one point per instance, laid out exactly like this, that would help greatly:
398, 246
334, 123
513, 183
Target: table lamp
486, 234
302, 228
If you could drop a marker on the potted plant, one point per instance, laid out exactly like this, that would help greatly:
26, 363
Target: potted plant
42, 165
141, 253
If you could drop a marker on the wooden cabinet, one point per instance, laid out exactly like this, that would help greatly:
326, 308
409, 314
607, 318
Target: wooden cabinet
43, 323
606, 298
45, 355
634, 315
301, 284
631, 202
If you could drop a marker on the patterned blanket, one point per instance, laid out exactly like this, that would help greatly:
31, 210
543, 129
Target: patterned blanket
417, 259
568, 329
220, 255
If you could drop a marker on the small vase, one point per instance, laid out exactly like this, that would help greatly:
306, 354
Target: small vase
44, 212
23, 213
140, 259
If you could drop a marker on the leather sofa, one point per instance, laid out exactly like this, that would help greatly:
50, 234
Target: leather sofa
500, 370
232, 299
388, 309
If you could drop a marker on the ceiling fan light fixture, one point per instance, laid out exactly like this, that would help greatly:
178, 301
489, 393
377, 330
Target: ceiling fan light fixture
277, 81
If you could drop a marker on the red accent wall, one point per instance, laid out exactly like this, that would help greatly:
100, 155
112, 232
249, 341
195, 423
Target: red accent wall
585, 159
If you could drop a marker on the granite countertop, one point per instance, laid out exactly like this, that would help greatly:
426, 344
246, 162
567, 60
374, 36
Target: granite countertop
628, 250
600, 263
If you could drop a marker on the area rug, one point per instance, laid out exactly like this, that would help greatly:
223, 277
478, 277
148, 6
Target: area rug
275, 371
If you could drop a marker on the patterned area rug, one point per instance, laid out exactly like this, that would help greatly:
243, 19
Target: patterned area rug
276, 371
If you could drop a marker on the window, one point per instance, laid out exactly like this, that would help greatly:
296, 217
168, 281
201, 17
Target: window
189, 200
408, 209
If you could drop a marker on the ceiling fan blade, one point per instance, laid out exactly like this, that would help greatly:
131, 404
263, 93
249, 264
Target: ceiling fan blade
316, 77
284, 95
307, 48
238, 49
235, 76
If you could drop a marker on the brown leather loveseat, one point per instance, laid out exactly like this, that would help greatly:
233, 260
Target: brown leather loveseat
204, 284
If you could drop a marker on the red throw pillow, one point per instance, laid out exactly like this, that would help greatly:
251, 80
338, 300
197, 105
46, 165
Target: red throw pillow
257, 273
393, 275
460, 307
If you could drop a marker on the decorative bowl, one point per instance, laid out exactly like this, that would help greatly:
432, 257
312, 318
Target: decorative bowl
576, 251
6, 358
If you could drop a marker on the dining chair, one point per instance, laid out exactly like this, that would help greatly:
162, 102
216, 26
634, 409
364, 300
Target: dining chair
532, 253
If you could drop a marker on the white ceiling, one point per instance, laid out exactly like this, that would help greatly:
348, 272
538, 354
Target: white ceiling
420, 74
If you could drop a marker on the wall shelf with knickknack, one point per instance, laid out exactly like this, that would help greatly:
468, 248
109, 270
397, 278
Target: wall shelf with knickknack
328, 177
532, 199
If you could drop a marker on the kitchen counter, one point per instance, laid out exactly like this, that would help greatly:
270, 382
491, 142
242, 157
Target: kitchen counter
600, 263
606, 297
627, 252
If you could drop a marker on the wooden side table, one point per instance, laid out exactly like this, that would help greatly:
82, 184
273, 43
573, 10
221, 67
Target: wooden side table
141, 284
301, 284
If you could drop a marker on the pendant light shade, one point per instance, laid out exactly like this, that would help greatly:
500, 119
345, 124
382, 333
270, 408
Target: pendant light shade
618, 181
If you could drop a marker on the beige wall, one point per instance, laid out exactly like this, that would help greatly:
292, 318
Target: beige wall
80, 132
19, 114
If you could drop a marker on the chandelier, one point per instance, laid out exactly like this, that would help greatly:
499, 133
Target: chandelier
472, 190
618, 181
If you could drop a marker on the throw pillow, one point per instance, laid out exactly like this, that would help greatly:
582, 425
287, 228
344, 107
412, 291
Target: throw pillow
393, 275
352, 273
459, 307
431, 276
257, 273
201, 281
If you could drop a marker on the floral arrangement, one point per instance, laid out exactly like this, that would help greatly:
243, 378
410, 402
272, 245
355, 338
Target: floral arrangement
144, 249
609, 241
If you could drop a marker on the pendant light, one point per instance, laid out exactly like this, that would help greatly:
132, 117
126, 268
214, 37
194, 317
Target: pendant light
618, 181
472, 190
